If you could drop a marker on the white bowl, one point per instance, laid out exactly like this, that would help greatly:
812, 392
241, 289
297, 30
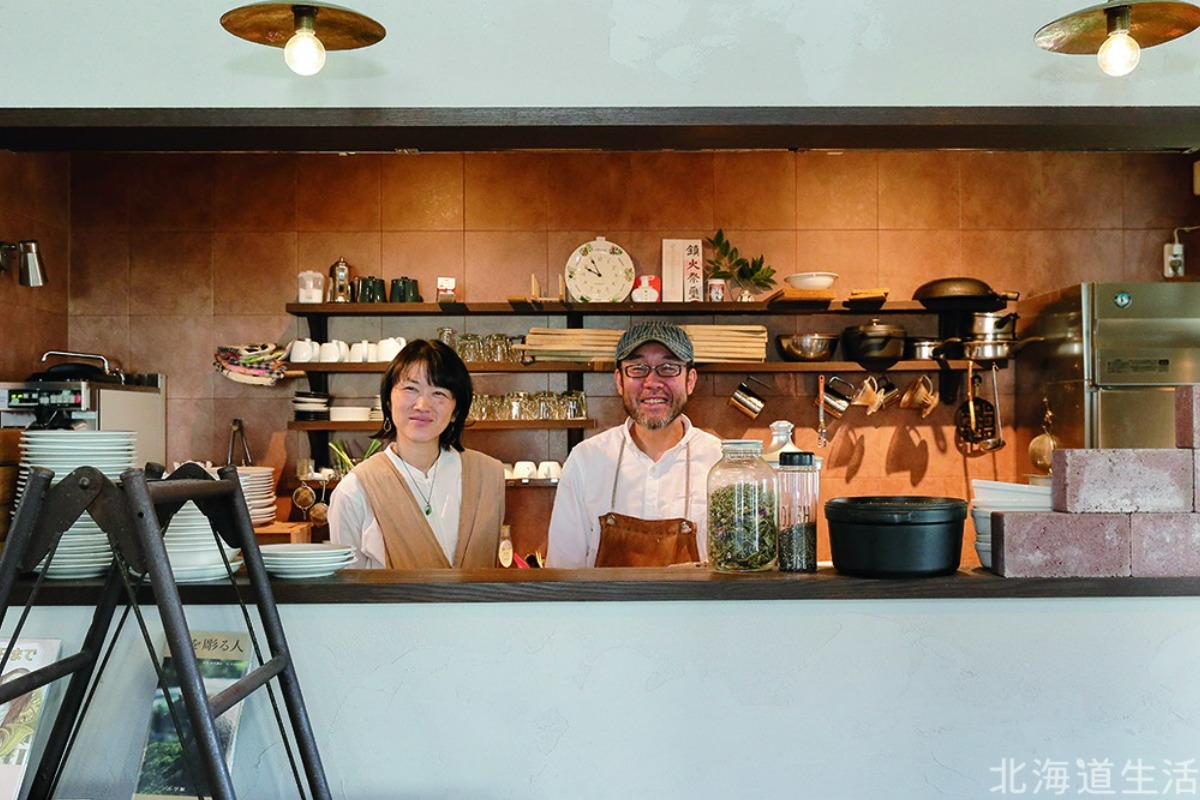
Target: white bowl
982, 519
811, 280
349, 413
985, 555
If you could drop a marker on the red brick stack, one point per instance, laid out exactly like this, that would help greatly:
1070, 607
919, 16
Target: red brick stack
1116, 513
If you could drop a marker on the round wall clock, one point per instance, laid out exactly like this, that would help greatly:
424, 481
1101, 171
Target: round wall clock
599, 272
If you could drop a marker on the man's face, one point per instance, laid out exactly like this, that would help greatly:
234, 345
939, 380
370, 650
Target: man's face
654, 402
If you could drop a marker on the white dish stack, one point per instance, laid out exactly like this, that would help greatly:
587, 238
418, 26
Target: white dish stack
992, 496
192, 548
83, 551
258, 486
306, 560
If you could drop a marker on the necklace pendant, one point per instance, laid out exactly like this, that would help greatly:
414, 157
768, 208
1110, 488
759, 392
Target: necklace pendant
428, 509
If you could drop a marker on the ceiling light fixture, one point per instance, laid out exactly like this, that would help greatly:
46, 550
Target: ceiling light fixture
1119, 30
304, 32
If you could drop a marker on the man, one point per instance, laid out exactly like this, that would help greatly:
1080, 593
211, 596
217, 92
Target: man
635, 495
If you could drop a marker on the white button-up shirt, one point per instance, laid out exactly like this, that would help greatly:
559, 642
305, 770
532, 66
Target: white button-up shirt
646, 489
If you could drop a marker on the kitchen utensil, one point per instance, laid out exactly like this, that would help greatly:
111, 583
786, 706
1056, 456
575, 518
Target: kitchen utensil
896, 537
310, 287
832, 400
997, 441
304, 350
237, 430
921, 348
961, 294
992, 325
921, 395
867, 394
359, 351
975, 421
806, 346
339, 289
873, 342
303, 498
822, 433
320, 509
1042, 446
746, 400
887, 394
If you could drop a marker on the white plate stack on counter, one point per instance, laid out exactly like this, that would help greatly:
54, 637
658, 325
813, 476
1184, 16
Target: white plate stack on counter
193, 549
306, 560
258, 487
83, 551
992, 496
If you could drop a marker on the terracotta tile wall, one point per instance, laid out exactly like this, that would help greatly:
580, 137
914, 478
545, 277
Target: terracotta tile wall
34, 204
173, 254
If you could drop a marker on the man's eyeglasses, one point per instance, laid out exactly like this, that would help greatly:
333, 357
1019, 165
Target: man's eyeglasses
668, 369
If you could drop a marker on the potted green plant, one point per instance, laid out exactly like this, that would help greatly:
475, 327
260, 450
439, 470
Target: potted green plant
752, 274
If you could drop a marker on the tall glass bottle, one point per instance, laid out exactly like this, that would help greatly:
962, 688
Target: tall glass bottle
798, 489
741, 509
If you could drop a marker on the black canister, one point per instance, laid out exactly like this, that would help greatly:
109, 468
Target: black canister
411, 292
396, 295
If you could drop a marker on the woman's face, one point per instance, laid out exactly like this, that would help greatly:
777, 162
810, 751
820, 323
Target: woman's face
420, 410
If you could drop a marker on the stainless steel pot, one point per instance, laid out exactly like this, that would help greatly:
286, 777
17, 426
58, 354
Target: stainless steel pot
993, 326
921, 348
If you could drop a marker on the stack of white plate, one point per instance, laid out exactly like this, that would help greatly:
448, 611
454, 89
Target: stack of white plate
306, 560
258, 485
192, 548
1001, 496
377, 410
83, 551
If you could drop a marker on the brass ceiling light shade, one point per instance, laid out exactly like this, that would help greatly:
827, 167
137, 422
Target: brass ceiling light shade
304, 31
1117, 31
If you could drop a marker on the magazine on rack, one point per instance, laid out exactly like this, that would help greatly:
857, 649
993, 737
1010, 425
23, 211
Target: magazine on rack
223, 659
19, 718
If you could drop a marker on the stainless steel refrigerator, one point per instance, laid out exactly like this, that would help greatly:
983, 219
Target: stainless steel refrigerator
1104, 358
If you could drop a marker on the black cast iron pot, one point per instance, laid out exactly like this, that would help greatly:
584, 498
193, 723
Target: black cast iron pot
873, 342
896, 537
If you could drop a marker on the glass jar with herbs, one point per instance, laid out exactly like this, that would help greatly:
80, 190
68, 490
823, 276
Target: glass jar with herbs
742, 533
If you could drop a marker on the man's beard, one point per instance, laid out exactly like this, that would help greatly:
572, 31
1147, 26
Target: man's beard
674, 405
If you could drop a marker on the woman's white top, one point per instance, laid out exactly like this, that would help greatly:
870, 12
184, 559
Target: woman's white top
352, 521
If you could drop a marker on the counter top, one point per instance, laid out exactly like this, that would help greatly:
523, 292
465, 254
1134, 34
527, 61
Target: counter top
669, 584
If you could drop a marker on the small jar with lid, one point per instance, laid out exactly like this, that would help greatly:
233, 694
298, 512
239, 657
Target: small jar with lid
742, 534
799, 486
781, 442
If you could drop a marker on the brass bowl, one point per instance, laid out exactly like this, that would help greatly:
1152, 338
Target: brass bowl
806, 346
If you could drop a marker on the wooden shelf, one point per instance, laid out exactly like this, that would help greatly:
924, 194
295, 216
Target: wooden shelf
623, 309
531, 483
475, 367
601, 366
483, 425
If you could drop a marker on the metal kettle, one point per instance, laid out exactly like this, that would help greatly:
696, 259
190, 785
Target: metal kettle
339, 283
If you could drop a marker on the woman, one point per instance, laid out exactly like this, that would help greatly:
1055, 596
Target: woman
423, 501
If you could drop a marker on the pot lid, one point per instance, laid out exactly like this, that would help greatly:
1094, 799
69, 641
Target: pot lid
895, 509
875, 328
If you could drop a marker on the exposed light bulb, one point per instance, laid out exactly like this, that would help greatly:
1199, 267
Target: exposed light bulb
304, 53
1119, 54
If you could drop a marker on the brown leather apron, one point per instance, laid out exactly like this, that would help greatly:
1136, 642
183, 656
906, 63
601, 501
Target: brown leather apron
627, 541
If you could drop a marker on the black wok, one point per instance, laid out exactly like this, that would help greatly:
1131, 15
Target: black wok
961, 294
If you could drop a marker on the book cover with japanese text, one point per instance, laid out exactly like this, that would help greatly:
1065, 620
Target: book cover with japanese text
223, 658
19, 718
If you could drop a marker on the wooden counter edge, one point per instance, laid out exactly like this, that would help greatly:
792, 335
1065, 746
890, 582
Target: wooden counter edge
626, 585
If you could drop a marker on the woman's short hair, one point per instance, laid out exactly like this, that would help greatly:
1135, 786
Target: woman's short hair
443, 368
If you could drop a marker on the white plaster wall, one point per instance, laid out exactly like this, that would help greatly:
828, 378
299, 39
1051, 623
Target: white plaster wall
480, 53
895, 699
